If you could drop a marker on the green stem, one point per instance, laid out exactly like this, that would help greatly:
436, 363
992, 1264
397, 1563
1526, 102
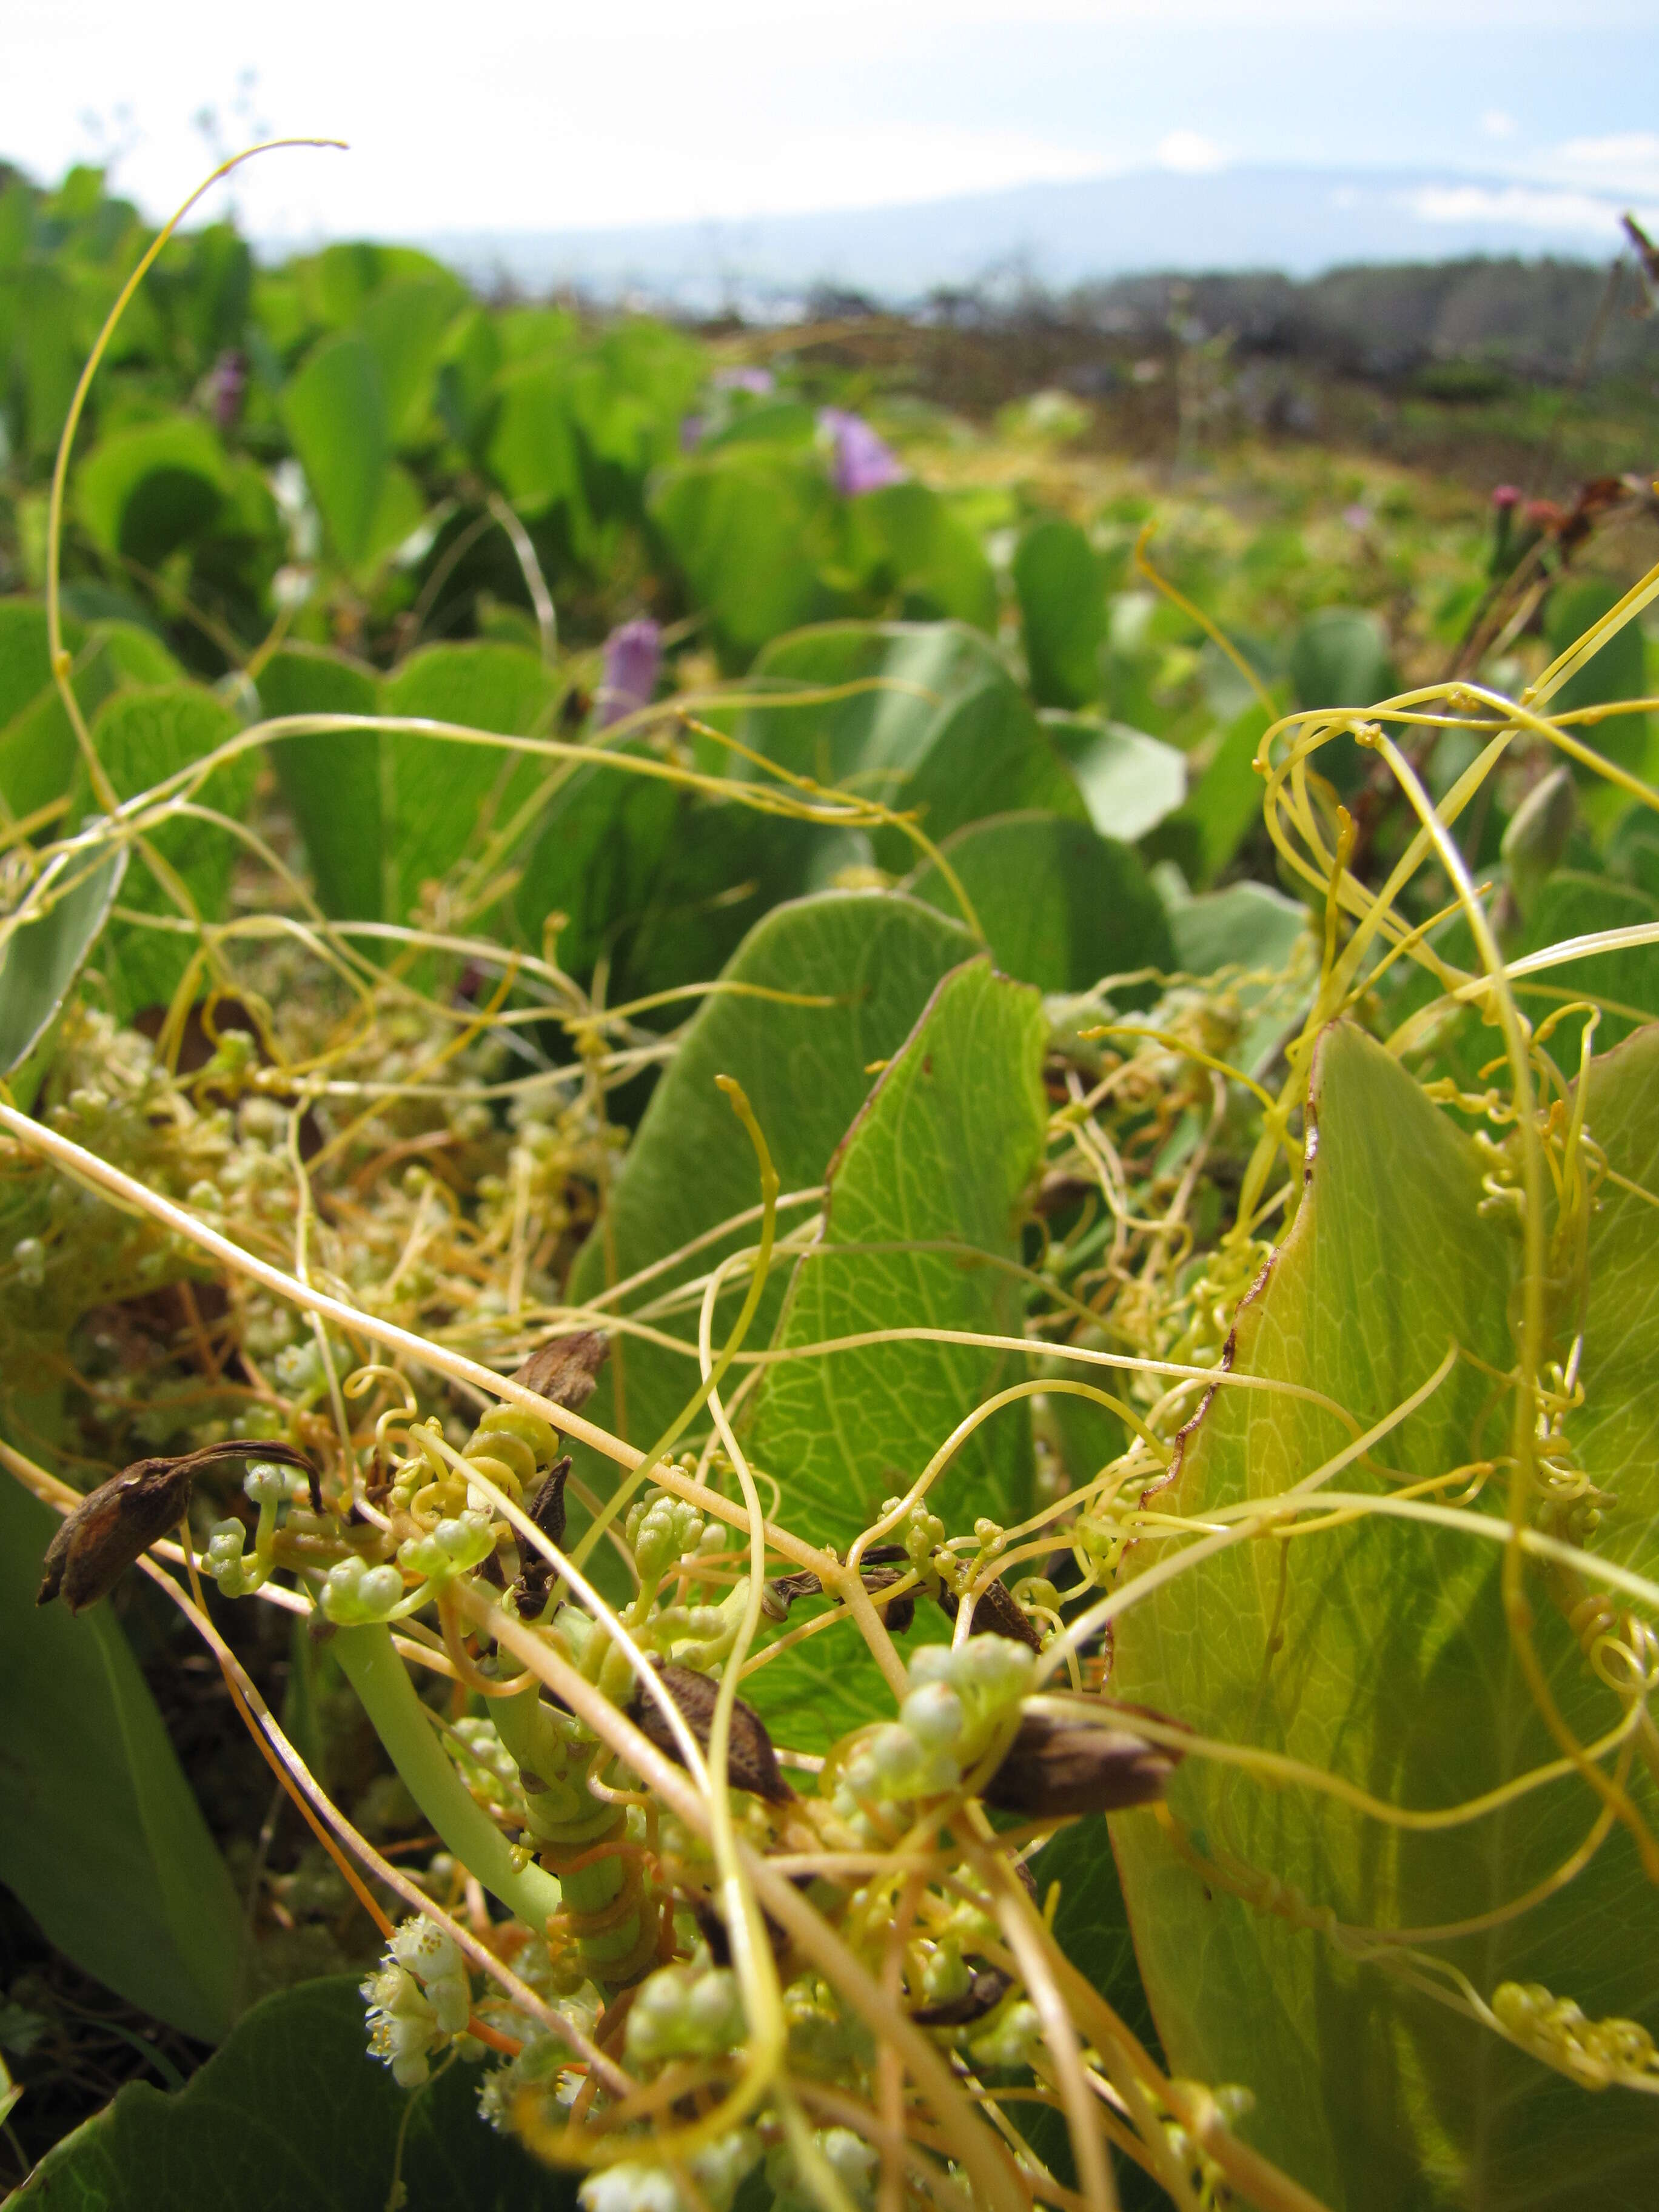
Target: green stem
381, 1682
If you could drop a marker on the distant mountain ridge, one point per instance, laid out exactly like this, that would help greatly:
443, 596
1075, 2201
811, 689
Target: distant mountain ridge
1057, 236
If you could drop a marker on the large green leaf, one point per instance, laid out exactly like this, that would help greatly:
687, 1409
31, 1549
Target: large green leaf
927, 719
1224, 805
293, 2115
941, 1157
146, 491
39, 755
403, 325
532, 448
663, 880
25, 655
332, 780
1129, 781
1062, 607
1060, 906
42, 956
1092, 1929
1378, 1651
1617, 671
874, 957
336, 412
912, 548
752, 532
439, 796
142, 737
99, 1835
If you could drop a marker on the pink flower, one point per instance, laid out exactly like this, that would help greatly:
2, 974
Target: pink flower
1357, 517
633, 657
228, 382
860, 461
1505, 495
757, 382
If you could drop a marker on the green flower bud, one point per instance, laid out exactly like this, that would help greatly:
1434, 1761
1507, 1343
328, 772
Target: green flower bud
355, 1592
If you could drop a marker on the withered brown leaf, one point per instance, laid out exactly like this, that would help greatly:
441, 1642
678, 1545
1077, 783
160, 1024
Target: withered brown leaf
987, 1990
566, 1369
100, 1539
547, 1511
1061, 1766
751, 1765
996, 1613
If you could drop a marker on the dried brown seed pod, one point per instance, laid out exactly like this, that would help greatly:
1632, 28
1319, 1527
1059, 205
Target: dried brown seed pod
996, 1613
751, 1764
1060, 1766
547, 1511
782, 1593
566, 1369
107, 1530
984, 1992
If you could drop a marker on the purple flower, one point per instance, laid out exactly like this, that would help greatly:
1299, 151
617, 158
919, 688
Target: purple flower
759, 382
691, 429
633, 656
860, 461
1505, 495
228, 382
1357, 517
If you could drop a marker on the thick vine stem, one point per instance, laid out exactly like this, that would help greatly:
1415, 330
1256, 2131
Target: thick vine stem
400, 1720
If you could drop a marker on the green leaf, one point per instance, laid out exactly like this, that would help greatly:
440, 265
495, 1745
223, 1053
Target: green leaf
1225, 804
663, 880
1060, 907
875, 957
1062, 607
336, 412
39, 755
25, 657
532, 448
439, 796
293, 2115
42, 958
1616, 672
910, 546
930, 720
1091, 1929
1129, 781
99, 1835
1340, 658
1379, 1651
142, 737
146, 491
751, 533
941, 1157
403, 325
331, 781
1246, 926
1573, 904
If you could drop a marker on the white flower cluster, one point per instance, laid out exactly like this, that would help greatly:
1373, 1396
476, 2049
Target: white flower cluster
633, 2186
958, 1698
418, 1999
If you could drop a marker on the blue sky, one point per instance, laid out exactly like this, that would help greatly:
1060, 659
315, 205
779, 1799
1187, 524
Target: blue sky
541, 114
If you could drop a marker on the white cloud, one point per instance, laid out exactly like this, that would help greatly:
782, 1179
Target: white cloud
1527, 207
1627, 161
1496, 125
1190, 154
